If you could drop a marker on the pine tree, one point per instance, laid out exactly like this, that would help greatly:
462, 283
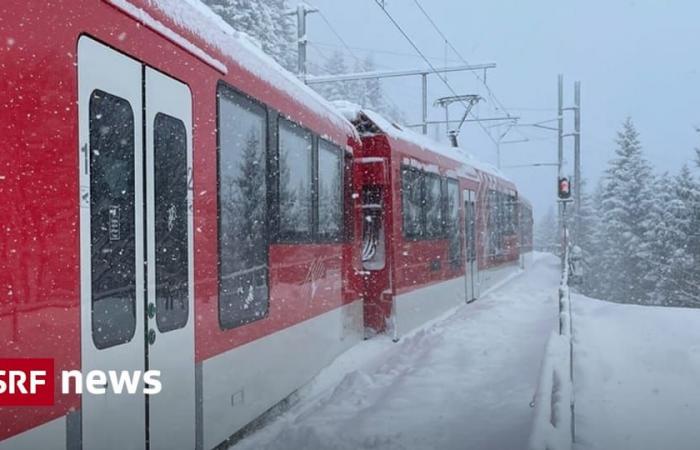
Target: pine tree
266, 22
367, 93
588, 238
248, 207
371, 90
674, 240
662, 236
338, 90
625, 204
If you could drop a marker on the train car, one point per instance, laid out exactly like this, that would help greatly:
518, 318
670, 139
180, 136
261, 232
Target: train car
171, 200
438, 226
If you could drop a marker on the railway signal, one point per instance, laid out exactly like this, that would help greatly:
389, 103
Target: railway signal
564, 188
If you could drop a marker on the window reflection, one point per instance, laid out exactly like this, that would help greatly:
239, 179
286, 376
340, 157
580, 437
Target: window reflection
330, 203
295, 180
243, 239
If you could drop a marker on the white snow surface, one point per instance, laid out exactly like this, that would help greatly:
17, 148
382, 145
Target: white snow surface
196, 17
636, 376
463, 381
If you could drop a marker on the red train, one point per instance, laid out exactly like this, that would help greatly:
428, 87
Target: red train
440, 227
173, 200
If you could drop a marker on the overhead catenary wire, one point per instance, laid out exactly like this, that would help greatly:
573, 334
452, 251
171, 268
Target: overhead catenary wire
490, 92
346, 46
337, 35
326, 59
375, 51
430, 65
459, 55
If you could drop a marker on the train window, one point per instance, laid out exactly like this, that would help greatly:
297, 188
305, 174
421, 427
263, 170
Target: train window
413, 203
373, 237
452, 224
513, 211
295, 182
494, 222
112, 220
330, 191
243, 234
433, 206
171, 233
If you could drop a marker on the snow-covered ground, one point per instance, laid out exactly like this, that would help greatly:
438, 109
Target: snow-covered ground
464, 381
636, 376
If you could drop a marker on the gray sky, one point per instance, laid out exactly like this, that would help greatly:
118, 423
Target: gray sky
634, 58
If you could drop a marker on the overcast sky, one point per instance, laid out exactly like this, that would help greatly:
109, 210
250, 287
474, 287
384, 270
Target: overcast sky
634, 58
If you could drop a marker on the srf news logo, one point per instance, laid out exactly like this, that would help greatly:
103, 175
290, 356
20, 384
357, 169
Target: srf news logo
30, 382
26, 382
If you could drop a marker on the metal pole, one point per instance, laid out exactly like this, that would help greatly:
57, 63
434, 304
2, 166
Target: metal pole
379, 74
560, 155
577, 161
301, 12
447, 120
301, 39
424, 85
498, 154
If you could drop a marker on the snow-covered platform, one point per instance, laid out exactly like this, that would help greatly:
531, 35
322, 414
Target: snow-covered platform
636, 376
464, 381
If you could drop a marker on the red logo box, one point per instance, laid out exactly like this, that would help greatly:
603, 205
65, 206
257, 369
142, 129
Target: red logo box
26, 382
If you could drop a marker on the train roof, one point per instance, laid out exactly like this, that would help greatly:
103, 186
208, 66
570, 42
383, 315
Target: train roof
370, 122
225, 49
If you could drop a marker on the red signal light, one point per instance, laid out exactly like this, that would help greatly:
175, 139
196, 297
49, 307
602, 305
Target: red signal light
564, 188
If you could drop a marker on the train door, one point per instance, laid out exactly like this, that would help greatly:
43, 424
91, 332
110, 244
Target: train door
169, 256
135, 250
472, 274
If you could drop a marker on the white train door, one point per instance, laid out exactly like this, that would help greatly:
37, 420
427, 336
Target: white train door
126, 325
471, 269
171, 413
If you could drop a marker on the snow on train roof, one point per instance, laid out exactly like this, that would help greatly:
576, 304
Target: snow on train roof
196, 17
352, 111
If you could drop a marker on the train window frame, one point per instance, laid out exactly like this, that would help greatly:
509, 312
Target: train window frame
243, 100
457, 259
294, 236
493, 222
100, 338
339, 235
407, 233
439, 232
162, 315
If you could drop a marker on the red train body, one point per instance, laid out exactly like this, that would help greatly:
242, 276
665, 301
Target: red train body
448, 225
173, 200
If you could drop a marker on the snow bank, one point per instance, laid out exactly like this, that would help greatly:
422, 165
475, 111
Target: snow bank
553, 424
636, 374
552, 421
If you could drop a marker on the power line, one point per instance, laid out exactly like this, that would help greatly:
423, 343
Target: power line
327, 59
459, 55
532, 109
320, 52
340, 38
427, 61
345, 44
382, 51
